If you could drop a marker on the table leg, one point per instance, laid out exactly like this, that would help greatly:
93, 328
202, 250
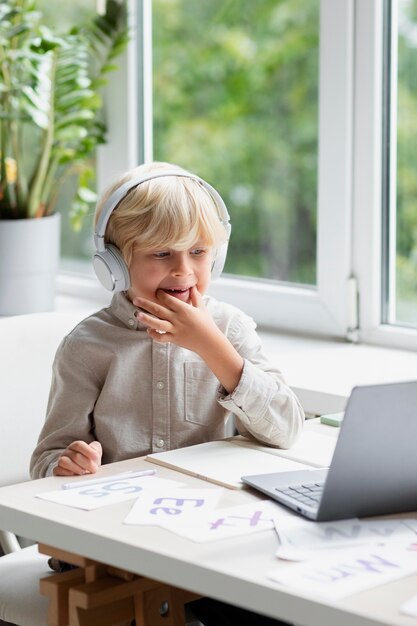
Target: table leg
95, 593
164, 606
56, 587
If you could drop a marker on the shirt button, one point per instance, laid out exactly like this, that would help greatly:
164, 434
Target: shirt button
160, 385
160, 443
131, 322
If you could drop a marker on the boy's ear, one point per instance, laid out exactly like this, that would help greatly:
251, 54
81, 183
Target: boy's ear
111, 269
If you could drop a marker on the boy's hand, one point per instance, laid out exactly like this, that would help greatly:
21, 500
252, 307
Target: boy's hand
79, 458
188, 325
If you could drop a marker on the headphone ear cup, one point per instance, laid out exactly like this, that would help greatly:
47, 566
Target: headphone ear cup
111, 269
219, 261
221, 253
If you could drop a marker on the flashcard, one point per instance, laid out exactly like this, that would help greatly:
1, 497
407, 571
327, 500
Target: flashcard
299, 539
233, 522
348, 571
115, 490
171, 508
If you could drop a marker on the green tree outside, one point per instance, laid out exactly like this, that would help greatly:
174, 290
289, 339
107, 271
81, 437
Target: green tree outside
406, 238
235, 100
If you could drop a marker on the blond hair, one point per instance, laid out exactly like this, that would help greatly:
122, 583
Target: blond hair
169, 211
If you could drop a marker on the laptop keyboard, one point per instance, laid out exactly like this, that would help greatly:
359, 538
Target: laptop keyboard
308, 494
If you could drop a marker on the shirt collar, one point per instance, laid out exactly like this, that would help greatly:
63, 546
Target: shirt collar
124, 310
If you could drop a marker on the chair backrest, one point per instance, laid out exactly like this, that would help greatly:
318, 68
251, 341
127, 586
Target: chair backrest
27, 348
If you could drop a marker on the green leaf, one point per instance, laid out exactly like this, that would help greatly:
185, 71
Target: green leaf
38, 117
74, 98
70, 133
78, 212
77, 117
52, 97
109, 67
36, 99
87, 195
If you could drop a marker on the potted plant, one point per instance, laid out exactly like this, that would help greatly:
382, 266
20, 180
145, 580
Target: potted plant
49, 129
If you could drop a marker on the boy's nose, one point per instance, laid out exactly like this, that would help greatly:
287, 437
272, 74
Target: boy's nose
181, 266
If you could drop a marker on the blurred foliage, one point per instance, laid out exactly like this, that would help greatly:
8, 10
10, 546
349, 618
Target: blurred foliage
406, 244
50, 99
235, 101
53, 154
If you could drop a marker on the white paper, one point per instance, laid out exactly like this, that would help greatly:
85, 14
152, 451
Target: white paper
348, 571
410, 607
232, 522
98, 495
172, 508
299, 539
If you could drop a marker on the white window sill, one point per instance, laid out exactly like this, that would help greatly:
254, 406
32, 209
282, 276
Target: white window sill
322, 372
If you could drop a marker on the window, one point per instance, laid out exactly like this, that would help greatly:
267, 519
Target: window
400, 276
238, 97
235, 99
286, 108
384, 209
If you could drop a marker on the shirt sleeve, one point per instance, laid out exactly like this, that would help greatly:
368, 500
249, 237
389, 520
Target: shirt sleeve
74, 391
264, 405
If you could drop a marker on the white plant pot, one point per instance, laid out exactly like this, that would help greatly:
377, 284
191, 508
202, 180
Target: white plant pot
29, 254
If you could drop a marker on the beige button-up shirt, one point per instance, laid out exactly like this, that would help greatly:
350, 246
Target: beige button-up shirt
113, 383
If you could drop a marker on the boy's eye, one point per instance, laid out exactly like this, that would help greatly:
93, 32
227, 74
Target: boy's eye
161, 255
198, 251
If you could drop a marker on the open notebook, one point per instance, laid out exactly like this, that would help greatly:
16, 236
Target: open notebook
224, 462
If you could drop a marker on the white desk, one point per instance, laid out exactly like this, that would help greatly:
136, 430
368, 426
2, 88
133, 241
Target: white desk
230, 570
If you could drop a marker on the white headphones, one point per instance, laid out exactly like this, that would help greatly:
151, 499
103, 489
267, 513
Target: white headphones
108, 261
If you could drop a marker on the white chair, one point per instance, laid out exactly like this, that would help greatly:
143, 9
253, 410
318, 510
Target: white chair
27, 346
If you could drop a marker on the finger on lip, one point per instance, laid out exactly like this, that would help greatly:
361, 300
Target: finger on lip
144, 306
162, 292
138, 301
148, 306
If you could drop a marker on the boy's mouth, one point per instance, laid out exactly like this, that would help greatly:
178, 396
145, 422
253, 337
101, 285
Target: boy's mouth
181, 294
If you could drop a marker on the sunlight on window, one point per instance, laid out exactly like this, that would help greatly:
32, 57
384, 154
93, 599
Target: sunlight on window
406, 195
400, 288
235, 98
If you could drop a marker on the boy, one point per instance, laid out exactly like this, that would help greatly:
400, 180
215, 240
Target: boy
164, 365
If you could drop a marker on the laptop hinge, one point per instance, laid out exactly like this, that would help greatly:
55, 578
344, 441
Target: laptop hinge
352, 331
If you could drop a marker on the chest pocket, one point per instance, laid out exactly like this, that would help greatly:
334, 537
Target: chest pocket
201, 386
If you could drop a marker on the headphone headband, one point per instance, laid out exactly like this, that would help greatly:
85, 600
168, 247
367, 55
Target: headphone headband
122, 191
108, 261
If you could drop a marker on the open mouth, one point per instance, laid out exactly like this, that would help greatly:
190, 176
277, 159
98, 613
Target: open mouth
182, 294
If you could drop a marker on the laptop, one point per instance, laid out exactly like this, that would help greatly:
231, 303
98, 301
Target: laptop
374, 466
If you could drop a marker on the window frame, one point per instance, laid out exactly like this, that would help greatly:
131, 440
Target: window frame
323, 309
346, 302
369, 233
